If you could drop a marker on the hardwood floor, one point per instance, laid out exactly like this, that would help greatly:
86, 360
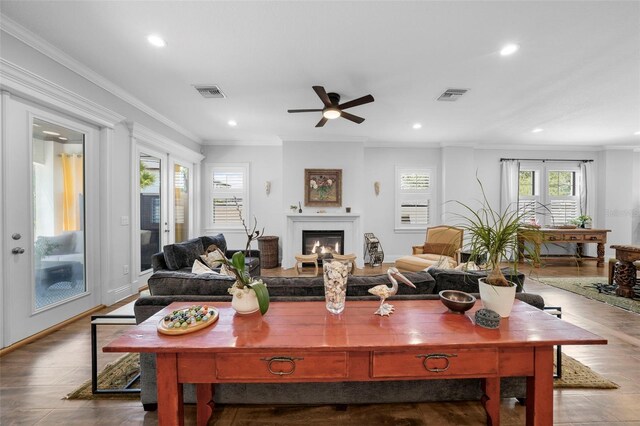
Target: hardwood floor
35, 378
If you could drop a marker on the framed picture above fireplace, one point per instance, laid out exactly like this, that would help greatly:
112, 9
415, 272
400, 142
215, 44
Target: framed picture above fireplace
323, 187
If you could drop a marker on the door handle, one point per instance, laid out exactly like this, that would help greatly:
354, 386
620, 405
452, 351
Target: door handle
17, 250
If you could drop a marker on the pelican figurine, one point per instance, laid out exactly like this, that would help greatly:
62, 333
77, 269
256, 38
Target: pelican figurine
384, 292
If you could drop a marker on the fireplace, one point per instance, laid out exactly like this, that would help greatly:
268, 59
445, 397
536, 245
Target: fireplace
325, 243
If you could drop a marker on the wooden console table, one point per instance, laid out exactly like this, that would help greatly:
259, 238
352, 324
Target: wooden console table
578, 236
302, 342
625, 275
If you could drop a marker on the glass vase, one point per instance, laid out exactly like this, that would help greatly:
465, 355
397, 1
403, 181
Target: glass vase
335, 273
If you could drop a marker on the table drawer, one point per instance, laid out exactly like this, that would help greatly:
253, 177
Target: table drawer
436, 363
573, 237
594, 237
282, 366
553, 237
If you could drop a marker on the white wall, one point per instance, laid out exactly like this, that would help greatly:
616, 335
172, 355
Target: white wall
635, 187
265, 164
380, 165
618, 195
455, 170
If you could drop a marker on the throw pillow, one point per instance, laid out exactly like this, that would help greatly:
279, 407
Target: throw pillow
218, 240
182, 255
440, 248
213, 259
199, 268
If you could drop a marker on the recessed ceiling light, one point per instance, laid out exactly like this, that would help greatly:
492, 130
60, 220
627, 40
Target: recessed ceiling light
47, 132
537, 130
62, 139
417, 126
156, 40
509, 49
637, 133
232, 123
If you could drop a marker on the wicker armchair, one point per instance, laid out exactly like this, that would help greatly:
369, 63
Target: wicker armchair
442, 243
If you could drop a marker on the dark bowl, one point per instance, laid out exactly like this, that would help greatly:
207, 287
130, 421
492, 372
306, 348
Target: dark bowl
458, 302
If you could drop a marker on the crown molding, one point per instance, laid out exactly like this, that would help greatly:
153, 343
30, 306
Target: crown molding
21, 82
241, 143
26, 36
581, 148
146, 136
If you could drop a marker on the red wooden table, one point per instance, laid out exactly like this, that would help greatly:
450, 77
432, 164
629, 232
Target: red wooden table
302, 342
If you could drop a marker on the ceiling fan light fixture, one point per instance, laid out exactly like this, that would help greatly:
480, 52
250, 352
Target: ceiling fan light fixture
509, 49
331, 113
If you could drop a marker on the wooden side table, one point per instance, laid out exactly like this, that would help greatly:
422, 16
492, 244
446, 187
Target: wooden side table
625, 271
306, 258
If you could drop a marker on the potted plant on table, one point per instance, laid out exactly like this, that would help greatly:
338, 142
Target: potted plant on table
249, 294
582, 221
494, 236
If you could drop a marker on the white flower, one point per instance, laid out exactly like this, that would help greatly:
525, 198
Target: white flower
313, 184
329, 182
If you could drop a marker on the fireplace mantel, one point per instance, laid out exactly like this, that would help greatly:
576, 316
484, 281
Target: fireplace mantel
298, 222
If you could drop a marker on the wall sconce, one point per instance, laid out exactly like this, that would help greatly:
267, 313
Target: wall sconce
267, 187
376, 188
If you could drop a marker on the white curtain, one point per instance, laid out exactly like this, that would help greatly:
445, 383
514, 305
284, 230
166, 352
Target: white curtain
509, 183
587, 183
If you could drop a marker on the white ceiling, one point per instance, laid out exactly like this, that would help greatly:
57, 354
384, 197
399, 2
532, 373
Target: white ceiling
577, 74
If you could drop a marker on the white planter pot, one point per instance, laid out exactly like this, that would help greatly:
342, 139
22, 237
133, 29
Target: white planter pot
245, 301
496, 298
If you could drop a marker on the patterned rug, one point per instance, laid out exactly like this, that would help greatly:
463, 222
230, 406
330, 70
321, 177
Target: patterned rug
117, 374
595, 288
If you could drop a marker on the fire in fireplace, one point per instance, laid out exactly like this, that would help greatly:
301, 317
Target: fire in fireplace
325, 243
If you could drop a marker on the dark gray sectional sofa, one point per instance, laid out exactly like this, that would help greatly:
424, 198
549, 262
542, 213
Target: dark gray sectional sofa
183, 286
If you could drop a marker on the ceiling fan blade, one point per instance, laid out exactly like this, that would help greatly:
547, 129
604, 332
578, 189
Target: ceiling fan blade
352, 117
322, 121
322, 94
303, 110
360, 101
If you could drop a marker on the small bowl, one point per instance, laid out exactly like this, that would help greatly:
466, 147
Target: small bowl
458, 302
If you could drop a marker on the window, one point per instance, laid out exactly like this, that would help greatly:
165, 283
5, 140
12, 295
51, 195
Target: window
554, 185
562, 196
229, 194
413, 198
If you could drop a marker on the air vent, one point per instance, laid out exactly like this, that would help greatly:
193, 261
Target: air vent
210, 91
452, 95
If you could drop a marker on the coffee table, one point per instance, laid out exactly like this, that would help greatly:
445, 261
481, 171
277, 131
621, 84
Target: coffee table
302, 342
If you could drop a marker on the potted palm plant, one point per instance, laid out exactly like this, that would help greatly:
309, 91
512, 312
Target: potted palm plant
248, 294
493, 236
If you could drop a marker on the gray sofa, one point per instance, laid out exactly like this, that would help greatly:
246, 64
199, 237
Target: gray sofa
212, 288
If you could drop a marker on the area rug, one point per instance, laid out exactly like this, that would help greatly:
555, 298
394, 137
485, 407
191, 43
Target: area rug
593, 288
117, 374
576, 375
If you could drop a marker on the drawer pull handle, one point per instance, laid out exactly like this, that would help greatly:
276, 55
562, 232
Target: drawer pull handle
288, 359
427, 357
573, 238
593, 238
552, 238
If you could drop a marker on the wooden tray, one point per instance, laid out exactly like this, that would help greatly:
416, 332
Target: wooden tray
162, 328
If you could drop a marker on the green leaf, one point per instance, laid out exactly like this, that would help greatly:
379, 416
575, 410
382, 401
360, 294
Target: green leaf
262, 294
237, 261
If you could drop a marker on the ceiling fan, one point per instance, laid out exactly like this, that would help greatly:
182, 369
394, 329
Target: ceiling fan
332, 107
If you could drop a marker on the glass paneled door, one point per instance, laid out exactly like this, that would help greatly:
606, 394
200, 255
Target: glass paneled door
152, 215
58, 213
47, 195
181, 202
